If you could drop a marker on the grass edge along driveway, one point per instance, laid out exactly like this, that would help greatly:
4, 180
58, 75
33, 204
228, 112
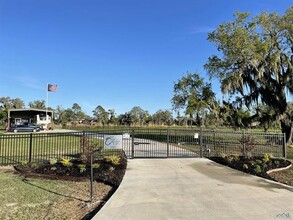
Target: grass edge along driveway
27, 198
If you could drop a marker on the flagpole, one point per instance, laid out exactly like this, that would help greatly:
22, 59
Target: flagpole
47, 101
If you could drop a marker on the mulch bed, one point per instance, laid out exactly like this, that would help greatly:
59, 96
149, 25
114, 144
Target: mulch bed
255, 165
106, 172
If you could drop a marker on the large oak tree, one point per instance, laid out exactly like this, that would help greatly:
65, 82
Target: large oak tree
256, 62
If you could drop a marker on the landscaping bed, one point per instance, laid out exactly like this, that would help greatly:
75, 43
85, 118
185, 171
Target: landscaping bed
259, 166
108, 172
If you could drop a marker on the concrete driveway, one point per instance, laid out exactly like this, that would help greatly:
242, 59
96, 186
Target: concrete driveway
158, 189
144, 148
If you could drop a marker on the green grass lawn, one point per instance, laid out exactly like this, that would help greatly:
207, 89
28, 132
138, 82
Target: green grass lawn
289, 153
22, 198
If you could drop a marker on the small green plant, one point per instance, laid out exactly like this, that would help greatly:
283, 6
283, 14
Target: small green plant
24, 162
53, 168
266, 158
259, 162
232, 158
34, 165
229, 159
235, 156
96, 165
277, 163
223, 155
82, 168
245, 166
53, 161
113, 159
66, 162
111, 168
257, 169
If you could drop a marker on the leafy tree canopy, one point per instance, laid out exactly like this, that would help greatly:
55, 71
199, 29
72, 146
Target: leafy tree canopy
163, 117
194, 95
38, 104
138, 115
101, 115
256, 61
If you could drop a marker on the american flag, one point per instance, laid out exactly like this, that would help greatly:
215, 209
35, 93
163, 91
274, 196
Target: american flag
52, 88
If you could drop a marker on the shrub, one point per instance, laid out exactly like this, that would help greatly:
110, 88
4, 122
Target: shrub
113, 159
277, 163
259, 162
232, 158
53, 161
248, 144
66, 162
96, 165
87, 147
235, 156
34, 165
82, 168
257, 169
223, 155
24, 162
245, 166
111, 168
266, 157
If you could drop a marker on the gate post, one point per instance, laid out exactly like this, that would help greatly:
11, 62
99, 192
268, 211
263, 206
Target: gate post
243, 144
168, 140
200, 142
30, 148
132, 144
284, 145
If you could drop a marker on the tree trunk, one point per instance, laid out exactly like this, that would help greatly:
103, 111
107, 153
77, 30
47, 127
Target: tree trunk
288, 130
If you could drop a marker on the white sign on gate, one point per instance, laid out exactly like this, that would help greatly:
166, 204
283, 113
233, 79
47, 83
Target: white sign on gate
113, 141
196, 135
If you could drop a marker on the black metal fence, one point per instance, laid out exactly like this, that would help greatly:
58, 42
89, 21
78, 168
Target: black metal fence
139, 143
206, 143
21, 148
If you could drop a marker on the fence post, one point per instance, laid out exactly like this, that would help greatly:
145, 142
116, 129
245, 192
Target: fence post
168, 140
91, 178
132, 144
30, 149
284, 145
214, 140
243, 144
200, 142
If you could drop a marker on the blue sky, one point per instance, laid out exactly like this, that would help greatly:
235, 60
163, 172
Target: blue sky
118, 54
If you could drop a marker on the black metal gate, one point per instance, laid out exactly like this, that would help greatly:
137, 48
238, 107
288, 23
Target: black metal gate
168, 143
158, 143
